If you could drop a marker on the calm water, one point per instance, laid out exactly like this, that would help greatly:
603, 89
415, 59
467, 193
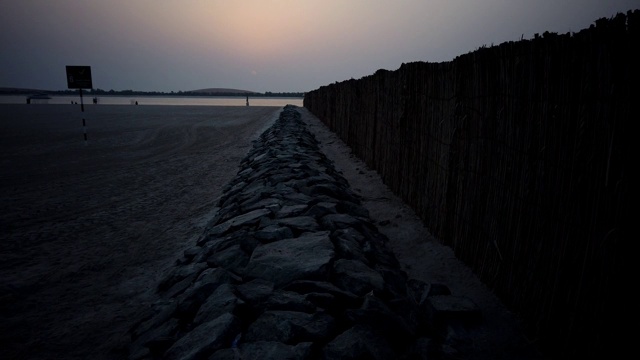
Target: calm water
156, 100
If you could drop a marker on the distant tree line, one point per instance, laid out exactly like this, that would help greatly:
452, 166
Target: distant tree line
95, 92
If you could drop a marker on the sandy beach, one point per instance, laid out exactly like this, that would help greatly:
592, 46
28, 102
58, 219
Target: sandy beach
88, 230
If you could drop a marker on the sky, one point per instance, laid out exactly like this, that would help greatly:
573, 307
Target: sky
261, 45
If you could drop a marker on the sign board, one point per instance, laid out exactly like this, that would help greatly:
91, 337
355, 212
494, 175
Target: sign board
79, 77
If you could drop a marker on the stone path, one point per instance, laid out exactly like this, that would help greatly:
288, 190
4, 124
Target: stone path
292, 267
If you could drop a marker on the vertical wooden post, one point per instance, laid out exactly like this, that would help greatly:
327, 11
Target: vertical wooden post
84, 123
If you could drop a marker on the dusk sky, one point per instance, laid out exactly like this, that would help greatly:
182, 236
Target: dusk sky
261, 45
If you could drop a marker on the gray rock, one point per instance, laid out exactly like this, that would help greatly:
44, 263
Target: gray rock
290, 327
320, 178
211, 243
340, 221
191, 252
230, 191
282, 178
419, 290
353, 208
251, 217
330, 190
210, 279
321, 209
196, 295
255, 187
265, 350
273, 233
248, 243
159, 339
161, 313
358, 342
255, 291
300, 223
223, 300
276, 351
291, 211
305, 257
289, 300
180, 287
297, 198
261, 204
356, 277
205, 339
177, 274
247, 200
424, 348
377, 316
256, 174
348, 248
323, 287
232, 258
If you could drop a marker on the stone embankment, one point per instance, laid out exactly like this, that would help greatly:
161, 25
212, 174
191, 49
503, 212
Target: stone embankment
292, 267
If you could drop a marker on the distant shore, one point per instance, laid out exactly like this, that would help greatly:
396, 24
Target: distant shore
215, 92
88, 100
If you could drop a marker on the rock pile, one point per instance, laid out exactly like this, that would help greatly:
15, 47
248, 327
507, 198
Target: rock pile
292, 267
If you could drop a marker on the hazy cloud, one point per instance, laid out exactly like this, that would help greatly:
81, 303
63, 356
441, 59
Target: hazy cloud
294, 45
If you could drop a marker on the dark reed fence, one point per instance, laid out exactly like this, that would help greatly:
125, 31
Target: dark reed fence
516, 156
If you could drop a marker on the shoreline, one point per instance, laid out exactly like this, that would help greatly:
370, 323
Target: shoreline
163, 100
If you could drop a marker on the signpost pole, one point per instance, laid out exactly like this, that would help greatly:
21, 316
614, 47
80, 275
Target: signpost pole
81, 102
79, 77
84, 123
